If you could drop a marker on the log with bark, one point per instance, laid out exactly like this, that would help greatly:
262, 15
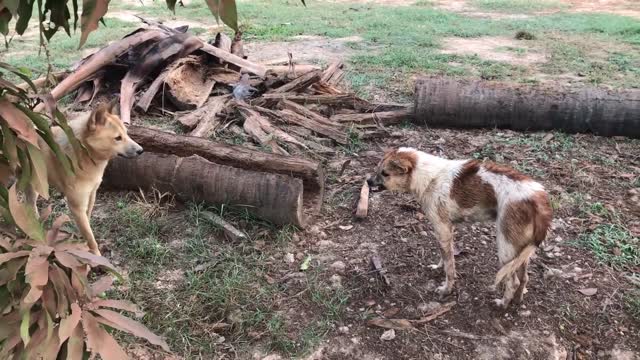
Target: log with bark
273, 197
311, 172
482, 104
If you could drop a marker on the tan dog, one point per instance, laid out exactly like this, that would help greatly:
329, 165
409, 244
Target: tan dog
454, 190
104, 136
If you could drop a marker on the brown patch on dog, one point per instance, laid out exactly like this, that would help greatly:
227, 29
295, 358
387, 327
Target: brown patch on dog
527, 221
512, 174
468, 190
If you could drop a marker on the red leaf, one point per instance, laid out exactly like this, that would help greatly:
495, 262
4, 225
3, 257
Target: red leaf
10, 256
75, 345
119, 304
18, 122
24, 213
103, 284
10, 270
52, 234
92, 12
131, 326
37, 273
68, 324
91, 259
67, 260
99, 341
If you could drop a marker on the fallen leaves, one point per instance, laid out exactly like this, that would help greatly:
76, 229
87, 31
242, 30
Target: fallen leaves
404, 324
588, 291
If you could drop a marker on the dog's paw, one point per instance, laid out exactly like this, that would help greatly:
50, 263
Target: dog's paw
443, 290
499, 303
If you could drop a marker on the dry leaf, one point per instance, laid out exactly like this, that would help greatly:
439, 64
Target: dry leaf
133, 327
588, 291
391, 312
388, 335
69, 323
346, 227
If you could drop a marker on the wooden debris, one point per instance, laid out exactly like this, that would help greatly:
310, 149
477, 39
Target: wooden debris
376, 264
152, 90
286, 104
435, 314
299, 84
229, 230
329, 131
404, 324
222, 42
363, 203
340, 100
333, 74
284, 69
188, 83
209, 122
376, 119
249, 66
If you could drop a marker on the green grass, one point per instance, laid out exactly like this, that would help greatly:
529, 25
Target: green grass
518, 6
632, 303
613, 245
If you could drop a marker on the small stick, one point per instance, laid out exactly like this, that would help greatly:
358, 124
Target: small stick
229, 230
376, 263
363, 203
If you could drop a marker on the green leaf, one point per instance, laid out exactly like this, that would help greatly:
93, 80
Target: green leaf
25, 170
74, 3
226, 11
25, 11
92, 12
5, 18
24, 214
24, 327
171, 4
78, 149
9, 147
12, 5
58, 16
39, 178
20, 73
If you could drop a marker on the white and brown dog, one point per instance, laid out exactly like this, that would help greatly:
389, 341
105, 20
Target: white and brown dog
450, 191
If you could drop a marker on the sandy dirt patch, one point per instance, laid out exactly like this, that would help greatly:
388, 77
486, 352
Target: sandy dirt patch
305, 49
495, 49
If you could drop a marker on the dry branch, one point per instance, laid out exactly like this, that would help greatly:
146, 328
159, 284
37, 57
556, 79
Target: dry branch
273, 197
333, 74
229, 230
338, 101
249, 66
286, 104
298, 84
363, 203
284, 69
152, 90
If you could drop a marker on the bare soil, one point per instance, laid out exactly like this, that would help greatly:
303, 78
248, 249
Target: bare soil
495, 48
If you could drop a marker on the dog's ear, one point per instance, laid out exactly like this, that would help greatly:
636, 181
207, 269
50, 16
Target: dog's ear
399, 165
114, 106
98, 117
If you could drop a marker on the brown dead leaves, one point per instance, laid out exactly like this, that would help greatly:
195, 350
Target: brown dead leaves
405, 324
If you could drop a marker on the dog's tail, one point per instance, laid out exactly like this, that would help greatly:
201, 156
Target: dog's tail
513, 265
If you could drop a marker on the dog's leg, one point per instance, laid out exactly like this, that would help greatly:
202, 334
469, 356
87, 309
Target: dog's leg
444, 233
506, 252
524, 279
92, 201
78, 204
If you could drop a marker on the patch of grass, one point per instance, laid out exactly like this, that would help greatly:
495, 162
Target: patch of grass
140, 241
518, 6
613, 245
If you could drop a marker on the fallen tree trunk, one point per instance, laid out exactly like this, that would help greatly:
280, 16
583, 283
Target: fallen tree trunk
311, 172
481, 104
276, 198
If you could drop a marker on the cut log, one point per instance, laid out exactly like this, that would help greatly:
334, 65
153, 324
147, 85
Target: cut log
249, 66
209, 122
188, 83
482, 104
284, 69
263, 131
147, 97
384, 118
331, 132
298, 84
363, 203
273, 197
311, 172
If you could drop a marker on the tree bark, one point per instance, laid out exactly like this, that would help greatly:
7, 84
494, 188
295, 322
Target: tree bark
375, 118
481, 104
311, 172
273, 197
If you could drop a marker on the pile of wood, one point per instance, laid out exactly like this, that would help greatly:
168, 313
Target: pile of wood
282, 120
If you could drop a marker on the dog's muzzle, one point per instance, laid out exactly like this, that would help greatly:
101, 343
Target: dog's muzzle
375, 183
